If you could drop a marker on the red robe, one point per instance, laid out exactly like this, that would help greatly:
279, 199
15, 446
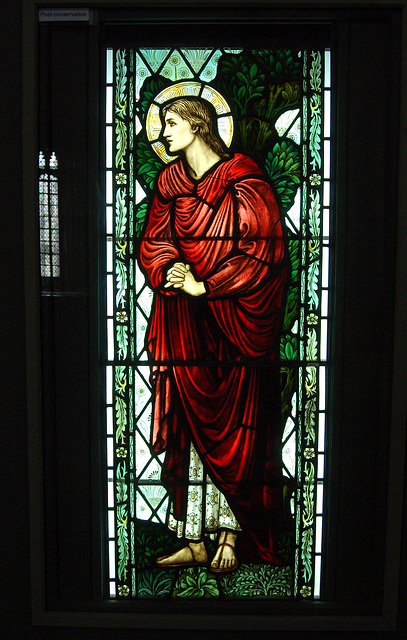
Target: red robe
214, 357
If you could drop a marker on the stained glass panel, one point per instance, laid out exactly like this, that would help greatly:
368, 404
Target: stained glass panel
48, 216
274, 106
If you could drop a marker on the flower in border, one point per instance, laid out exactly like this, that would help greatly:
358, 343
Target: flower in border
121, 316
312, 318
309, 453
305, 591
315, 180
121, 452
123, 590
121, 178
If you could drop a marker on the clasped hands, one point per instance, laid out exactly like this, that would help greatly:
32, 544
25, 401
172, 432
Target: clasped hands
180, 276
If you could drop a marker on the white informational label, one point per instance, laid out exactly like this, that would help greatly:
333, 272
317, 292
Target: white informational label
63, 15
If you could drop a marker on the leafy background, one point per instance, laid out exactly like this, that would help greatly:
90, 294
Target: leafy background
259, 87
254, 580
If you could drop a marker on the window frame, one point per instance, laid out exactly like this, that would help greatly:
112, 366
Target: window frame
310, 616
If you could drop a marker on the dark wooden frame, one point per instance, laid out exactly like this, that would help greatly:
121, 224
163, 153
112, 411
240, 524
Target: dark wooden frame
370, 381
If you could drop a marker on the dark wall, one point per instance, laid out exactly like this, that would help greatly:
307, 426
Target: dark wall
15, 559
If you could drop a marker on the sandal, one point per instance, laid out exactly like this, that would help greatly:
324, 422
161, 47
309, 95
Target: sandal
225, 569
193, 562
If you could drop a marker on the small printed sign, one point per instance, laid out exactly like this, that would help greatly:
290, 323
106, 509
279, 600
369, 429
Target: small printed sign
63, 15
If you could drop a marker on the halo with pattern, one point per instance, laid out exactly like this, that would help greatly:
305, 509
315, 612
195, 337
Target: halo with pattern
187, 89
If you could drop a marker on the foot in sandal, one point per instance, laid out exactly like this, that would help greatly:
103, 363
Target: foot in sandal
225, 557
191, 555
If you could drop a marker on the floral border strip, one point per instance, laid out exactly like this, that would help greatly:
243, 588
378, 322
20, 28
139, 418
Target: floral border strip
311, 309
124, 313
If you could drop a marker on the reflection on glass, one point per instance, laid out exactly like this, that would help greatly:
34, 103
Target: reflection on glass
109, 66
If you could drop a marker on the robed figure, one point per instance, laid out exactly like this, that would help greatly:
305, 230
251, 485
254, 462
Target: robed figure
213, 251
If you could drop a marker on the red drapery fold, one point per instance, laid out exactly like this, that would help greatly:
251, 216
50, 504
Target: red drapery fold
214, 356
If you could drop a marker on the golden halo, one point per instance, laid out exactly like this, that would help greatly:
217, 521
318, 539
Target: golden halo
180, 90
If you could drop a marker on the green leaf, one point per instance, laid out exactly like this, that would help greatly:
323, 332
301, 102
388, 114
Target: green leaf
196, 583
241, 77
260, 581
154, 585
241, 92
141, 213
283, 167
253, 70
288, 347
122, 341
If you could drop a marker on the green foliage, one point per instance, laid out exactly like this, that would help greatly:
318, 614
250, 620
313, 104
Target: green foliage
241, 80
121, 104
122, 341
154, 584
288, 347
283, 167
151, 541
121, 144
286, 547
120, 379
121, 82
141, 212
315, 72
121, 486
310, 411
258, 581
147, 162
281, 64
313, 276
315, 219
259, 86
315, 132
306, 553
148, 165
312, 345
121, 419
288, 376
151, 87
121, 213
121, 282
122, 520
293, 250
291, 309
122, 541
196, 582
308, 494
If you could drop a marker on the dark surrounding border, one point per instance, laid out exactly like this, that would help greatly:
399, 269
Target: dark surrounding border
15, 516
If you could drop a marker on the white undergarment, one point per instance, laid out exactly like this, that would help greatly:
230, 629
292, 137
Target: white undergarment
207, 508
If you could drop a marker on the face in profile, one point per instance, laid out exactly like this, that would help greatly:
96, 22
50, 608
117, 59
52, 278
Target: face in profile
177, 133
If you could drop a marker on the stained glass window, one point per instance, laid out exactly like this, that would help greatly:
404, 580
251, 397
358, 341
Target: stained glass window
48, 215
273, 106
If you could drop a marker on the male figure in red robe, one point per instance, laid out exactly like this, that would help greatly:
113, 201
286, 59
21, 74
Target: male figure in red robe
213, 250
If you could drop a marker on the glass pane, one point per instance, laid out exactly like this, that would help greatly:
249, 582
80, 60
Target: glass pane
327, 114
321, 432
327, 76
109, 105
109, 382
317, 583
109, 187
109, 149
109, 66
327, 159
270, 116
